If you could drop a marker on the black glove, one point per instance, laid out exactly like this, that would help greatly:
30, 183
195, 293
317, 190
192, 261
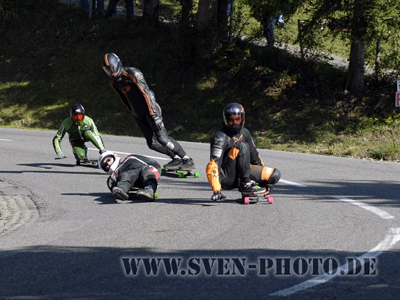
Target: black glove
217, 196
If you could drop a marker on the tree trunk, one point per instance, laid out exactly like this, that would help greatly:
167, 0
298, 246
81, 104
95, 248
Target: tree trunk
225, 11
207, 14
187, 6
268, 22
356, 68
207, 26
150, 10
231, 13
300, 30
378, 59
222, 16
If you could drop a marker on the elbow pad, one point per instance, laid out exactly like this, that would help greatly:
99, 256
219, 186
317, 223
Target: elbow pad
213, 175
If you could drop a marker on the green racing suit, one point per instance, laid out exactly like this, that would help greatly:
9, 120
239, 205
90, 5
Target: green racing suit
78, 136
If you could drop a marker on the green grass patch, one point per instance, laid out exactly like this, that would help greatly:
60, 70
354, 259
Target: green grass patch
290, 105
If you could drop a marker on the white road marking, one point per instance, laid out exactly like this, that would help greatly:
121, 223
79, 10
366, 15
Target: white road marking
381, 213
5, 140
292, 183
155, 157
390, 240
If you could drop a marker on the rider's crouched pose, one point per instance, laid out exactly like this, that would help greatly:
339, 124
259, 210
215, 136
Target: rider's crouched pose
235, 161
81, 129
133, 171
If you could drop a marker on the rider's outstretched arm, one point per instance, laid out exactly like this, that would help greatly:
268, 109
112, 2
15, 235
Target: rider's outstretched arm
57, 141
92, 134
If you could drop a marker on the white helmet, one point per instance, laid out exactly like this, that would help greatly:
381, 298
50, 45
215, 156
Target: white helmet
104, 166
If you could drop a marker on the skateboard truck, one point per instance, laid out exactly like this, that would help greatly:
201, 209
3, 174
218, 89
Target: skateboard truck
257, 198
89, 162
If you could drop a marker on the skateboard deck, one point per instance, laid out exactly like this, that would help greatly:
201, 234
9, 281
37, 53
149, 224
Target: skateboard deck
90, 163
262, 198
182, 173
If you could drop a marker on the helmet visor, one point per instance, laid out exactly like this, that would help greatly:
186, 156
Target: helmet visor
107, 70
112, 72
78, 117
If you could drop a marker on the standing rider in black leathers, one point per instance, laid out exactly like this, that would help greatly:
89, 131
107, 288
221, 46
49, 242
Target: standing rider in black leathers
131, 87
235, 161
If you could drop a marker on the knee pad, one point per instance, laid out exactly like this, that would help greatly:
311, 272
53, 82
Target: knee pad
275, 177
150, 173
165, 141
270, 175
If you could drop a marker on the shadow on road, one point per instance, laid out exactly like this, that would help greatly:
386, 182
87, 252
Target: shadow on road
51, 272
49, 168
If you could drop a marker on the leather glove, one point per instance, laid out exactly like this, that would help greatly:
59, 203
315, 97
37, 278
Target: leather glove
217, 196
60, 155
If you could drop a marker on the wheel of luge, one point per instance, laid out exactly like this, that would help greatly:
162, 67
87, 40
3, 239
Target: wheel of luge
269, 199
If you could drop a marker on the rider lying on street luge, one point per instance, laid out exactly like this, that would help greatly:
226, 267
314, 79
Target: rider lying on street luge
235, 161
81, 129
135, 170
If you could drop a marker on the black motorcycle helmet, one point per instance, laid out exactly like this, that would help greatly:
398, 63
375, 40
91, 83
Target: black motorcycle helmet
77, 113
112, 65
233, 109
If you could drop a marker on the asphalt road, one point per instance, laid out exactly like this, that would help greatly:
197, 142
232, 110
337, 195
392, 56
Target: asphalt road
62, 235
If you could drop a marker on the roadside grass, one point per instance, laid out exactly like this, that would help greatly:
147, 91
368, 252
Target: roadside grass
382, 143
290, 105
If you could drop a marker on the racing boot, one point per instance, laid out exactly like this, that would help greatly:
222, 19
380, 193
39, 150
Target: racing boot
251, 189
147, 193
77, 160
187, 164
85, 159
174, 164
118, 193
269, 188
